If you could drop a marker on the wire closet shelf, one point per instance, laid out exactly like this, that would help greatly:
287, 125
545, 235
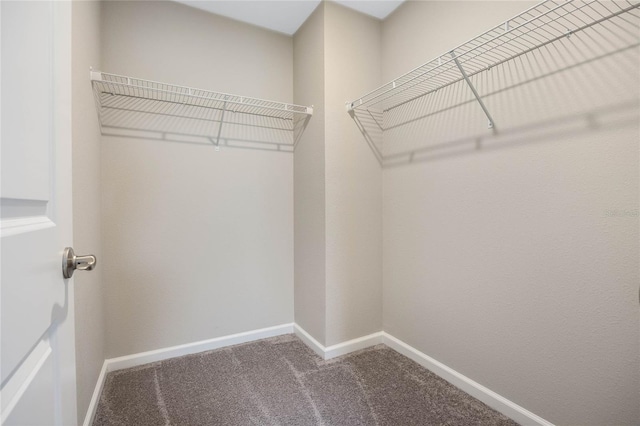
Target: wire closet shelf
536, 27
135, 107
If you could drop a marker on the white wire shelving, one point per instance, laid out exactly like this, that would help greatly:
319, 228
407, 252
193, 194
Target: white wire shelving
135, 107
609, 26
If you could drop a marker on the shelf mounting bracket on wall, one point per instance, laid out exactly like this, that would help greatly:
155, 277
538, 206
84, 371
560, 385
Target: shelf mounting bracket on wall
375, 120
475, 92
224, 109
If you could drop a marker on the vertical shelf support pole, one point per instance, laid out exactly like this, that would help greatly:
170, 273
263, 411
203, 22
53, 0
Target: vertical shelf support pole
473, 89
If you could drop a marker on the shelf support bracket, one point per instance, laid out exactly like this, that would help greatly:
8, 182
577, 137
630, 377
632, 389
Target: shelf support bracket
224, 109
375, 120
473, 89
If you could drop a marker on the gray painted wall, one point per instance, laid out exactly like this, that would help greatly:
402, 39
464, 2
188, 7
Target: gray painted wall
505, 262
87, 213
338, 181
198, 243
309, 179
353, 179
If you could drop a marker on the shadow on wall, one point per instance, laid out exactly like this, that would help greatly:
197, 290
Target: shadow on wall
580, 83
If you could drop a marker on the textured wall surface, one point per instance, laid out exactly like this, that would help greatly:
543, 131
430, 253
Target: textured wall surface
198, 243
338, 180
87, 211
510, 257
309, 179
353, 179
514, 258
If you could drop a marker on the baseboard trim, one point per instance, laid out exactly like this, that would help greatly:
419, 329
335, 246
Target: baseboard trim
95, 398
339, 349
353, 345
142, 358
308, 339
128, 361
475, 389
492, 399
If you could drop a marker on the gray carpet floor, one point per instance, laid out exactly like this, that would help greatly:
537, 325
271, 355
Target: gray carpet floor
280, 381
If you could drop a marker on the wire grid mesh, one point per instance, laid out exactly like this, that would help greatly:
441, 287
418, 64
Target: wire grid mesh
133, 105
614, 22
584, 76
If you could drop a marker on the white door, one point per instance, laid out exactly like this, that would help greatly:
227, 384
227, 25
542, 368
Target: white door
36, 307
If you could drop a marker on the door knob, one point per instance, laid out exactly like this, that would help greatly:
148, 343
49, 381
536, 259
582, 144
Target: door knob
71, 262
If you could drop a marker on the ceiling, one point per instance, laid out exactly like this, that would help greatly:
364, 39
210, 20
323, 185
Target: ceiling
285, 16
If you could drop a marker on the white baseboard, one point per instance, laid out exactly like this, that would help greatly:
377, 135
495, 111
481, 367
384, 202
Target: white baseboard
353, 345
492, 399
341, 348
95, 398
308, 339
142, 358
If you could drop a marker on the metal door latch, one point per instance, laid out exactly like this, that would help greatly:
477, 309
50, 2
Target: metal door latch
71, 262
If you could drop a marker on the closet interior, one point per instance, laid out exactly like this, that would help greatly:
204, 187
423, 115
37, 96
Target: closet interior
476, 214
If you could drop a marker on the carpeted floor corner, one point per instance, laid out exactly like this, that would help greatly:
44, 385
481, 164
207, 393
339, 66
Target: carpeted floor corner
280, 381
